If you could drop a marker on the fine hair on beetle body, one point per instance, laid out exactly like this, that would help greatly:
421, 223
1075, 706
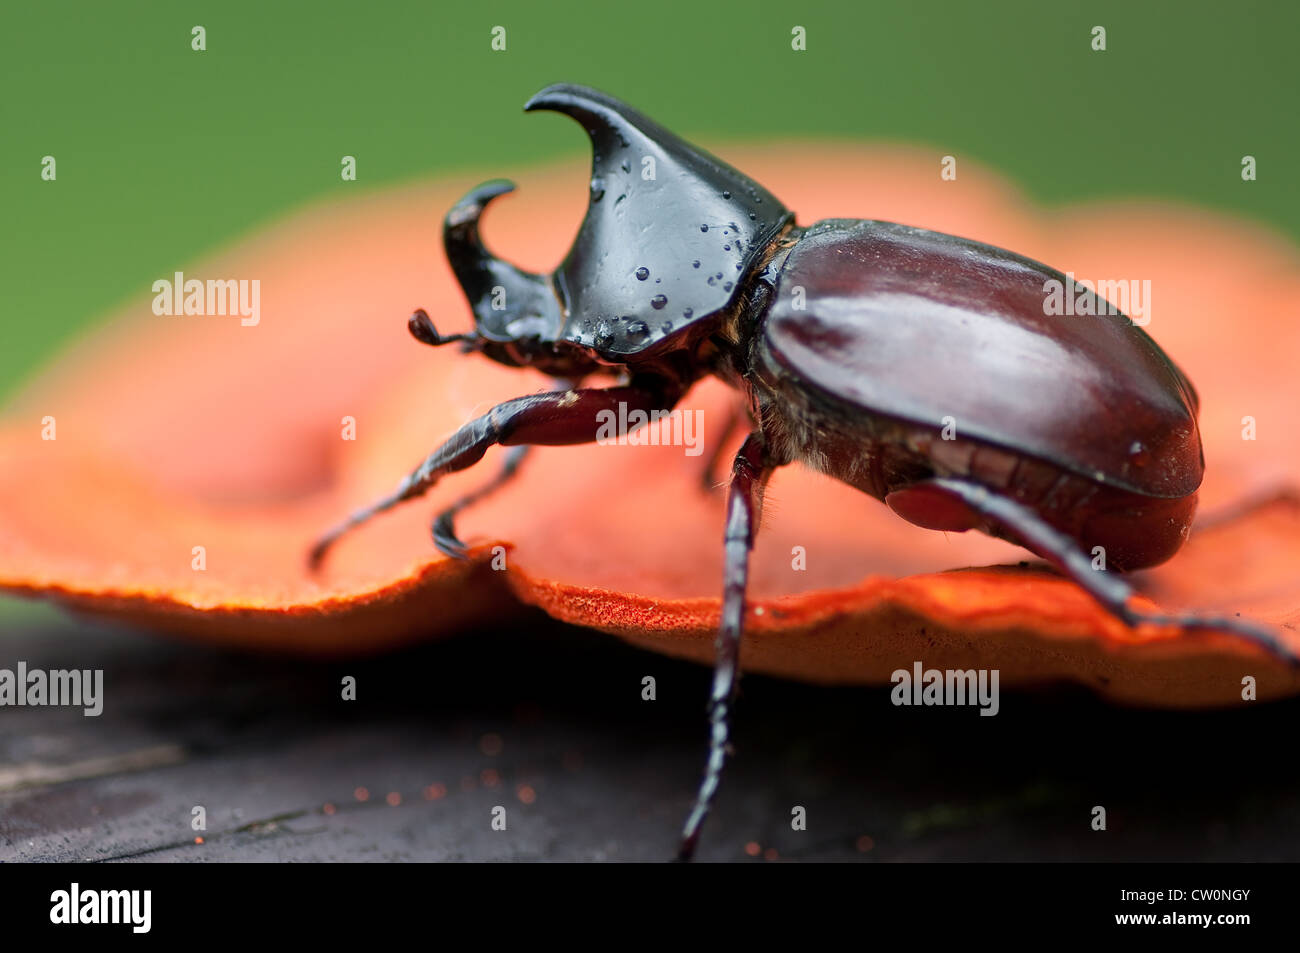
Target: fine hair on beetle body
851, 342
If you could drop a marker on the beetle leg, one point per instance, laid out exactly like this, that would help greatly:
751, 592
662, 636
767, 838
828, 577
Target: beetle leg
749, 473
551, 419
444, 526
1106, 587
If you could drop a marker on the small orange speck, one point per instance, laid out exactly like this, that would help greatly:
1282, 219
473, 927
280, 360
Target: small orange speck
865, 843
198, 840
752, 849
491, 744
490, 777
770, 854
393, 799
435, 791
467, 783
328, 808
361, 794
527, 794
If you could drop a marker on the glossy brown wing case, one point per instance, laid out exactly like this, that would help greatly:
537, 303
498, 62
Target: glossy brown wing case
917, 325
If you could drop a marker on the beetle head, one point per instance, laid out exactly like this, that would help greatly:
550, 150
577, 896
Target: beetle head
670, 236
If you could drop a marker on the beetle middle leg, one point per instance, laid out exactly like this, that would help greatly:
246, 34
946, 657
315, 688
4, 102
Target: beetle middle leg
551, 419
1107, 588
749, 473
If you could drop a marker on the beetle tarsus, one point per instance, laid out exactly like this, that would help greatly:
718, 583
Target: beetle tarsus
445, 539
744, 502
322, 546
444, 524
1263, 637
1114, 594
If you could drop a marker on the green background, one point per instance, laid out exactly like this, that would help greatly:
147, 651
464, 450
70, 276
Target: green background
165, 153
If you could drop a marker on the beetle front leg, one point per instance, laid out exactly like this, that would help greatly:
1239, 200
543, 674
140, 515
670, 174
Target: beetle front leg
550, 419
444, 524
749, 473
1106, 587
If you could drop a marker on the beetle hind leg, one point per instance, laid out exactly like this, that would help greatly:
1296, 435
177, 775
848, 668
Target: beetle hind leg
1115, 594
749, 473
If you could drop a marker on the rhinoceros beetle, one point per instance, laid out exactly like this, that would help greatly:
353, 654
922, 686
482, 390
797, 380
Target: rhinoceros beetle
854, 344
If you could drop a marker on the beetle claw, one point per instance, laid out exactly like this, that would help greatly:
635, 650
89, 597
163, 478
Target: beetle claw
316, 556
444, 524
444, 534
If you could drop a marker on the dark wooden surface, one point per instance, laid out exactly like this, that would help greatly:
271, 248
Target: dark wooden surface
265, 743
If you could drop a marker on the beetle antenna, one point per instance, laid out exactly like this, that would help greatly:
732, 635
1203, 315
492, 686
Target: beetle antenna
421, 327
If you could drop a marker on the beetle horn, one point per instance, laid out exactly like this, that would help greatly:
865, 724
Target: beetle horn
623, 137
500, 294
608, 121
465, 250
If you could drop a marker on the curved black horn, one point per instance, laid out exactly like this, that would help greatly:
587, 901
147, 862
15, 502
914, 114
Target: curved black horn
460, 235
500, 294
657, 203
